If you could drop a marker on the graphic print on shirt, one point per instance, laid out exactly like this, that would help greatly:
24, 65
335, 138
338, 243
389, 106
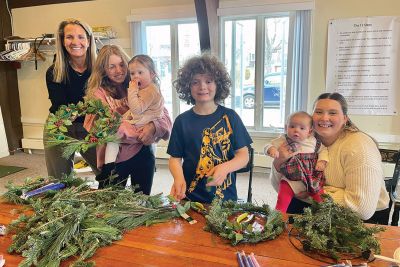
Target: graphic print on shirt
214, 151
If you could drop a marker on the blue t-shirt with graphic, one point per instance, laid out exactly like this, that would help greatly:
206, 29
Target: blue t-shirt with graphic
204, 141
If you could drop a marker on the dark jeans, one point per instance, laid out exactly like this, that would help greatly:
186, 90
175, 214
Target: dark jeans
56, 164
380, 217
140, 168
296, 206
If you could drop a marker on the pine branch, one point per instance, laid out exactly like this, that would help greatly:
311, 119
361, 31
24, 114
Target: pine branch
77, 221
331, 229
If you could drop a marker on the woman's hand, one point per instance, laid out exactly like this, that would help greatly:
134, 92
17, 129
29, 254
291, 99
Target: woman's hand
321, 165
117, 105
219, 174
178, 190
146, 135
286, 151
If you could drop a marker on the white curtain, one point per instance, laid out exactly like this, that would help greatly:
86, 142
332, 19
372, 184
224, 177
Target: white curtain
300, 60
136, 39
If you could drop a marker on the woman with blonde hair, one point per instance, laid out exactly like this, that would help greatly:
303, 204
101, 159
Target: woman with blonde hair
100, 77
66, 82
109, 82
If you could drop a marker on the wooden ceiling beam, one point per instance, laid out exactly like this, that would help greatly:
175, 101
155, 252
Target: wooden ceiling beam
27, 3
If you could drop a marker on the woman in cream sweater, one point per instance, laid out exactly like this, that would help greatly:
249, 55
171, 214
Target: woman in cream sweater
354, 175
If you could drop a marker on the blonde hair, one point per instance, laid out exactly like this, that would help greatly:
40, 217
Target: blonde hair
99, 77
61, 65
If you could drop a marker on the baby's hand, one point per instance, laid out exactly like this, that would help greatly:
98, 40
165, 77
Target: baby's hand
133, 85
127, 115
321, 165
273, 152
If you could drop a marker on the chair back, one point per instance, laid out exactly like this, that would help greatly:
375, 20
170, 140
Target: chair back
393, 157
249, 168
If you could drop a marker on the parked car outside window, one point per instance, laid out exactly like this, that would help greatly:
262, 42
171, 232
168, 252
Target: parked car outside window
271, 94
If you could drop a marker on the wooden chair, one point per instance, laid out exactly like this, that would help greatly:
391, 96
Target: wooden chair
393, 157
249, 168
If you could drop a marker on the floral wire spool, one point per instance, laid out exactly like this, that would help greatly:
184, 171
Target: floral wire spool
103, 130
243, 222
330, 233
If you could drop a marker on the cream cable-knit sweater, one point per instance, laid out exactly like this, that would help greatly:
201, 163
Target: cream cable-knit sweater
354, 175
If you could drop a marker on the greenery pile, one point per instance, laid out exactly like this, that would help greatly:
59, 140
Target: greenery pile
103, 130
219, 220
76, 221
331, 230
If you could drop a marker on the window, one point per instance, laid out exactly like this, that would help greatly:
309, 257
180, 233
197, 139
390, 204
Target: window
266, 55
268, 69
169, 35
169, 44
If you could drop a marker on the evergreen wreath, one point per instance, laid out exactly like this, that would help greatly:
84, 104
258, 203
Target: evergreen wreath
327, 231
103, 130
243, 222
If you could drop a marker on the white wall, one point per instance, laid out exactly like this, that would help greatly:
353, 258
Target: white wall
386, 129
35, 21
3, 140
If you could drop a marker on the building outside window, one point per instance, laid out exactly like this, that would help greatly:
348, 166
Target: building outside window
261, 104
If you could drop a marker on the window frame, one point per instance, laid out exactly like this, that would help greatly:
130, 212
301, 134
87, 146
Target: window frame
290, 104
259, 66
174, 51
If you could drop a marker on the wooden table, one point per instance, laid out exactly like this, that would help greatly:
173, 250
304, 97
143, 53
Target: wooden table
177, 243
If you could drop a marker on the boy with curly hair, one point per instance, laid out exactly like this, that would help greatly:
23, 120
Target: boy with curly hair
209, 142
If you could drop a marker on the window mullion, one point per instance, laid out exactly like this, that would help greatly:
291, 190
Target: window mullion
233, 64
259, 73
174, 67
292, 96
222, 39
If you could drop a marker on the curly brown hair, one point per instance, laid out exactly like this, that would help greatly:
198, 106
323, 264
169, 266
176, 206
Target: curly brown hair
203, 64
